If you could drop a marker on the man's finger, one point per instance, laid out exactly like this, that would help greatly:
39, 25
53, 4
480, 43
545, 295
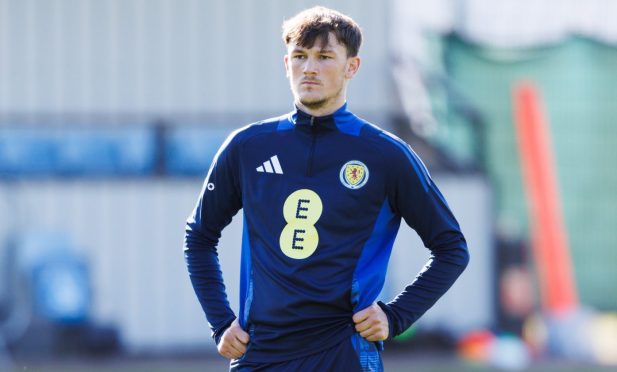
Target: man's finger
367, 333
230, 352
364, 325
375, 337
239, 346
361, 315
374, 334
243, 337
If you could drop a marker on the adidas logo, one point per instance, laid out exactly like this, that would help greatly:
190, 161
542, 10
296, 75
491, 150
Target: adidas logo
271, 166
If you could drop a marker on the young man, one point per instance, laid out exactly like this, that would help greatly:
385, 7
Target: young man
323, 193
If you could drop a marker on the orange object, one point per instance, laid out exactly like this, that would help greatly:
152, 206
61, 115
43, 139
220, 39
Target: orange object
475, 346
548, 234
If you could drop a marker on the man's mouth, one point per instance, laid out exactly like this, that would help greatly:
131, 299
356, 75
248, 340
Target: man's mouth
310, 82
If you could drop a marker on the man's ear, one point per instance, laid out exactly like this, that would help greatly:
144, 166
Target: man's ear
353, 64
286, 62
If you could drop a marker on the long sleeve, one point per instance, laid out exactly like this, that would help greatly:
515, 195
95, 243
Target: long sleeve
219, 200
417, 199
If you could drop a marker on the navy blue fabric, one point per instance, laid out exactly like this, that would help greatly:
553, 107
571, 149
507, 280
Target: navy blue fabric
353, 354
293, 307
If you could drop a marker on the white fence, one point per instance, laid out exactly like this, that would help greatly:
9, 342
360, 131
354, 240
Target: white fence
131, 232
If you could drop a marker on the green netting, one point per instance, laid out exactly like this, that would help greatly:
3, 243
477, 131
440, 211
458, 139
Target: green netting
578, 82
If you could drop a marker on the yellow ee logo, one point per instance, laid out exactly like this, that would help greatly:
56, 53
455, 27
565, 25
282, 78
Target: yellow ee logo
299, 237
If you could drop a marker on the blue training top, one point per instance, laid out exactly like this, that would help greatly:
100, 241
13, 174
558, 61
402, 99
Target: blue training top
323, 198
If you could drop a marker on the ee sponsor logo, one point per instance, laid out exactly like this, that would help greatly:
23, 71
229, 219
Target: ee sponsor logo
299, 238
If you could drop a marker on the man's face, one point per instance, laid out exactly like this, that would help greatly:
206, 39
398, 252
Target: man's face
318, 75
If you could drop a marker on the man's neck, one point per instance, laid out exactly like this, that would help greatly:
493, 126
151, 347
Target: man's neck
322, 111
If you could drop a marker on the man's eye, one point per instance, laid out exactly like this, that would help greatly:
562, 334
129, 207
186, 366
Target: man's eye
325, 57
299, 56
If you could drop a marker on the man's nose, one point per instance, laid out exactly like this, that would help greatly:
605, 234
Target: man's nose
310, 67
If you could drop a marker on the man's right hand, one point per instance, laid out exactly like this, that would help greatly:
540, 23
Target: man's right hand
233, 342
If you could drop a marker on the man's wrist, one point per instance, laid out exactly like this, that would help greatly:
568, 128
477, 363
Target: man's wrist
216, 335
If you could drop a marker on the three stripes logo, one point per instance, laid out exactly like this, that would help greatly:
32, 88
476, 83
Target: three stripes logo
271, 165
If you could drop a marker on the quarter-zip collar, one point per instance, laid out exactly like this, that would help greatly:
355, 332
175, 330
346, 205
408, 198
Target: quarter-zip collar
302, 119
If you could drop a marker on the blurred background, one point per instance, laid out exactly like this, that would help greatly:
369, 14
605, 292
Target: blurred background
111, 112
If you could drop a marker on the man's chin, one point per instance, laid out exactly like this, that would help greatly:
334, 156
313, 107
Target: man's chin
313, 103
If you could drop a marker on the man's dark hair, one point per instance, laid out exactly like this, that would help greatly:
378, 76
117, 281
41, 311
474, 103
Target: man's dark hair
313, 24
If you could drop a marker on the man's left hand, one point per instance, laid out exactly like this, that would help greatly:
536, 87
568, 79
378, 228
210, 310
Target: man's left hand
372, 323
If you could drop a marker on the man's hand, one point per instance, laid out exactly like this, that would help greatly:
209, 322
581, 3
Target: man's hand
372, 323
233, 342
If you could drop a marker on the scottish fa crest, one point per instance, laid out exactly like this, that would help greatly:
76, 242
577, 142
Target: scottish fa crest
354, 174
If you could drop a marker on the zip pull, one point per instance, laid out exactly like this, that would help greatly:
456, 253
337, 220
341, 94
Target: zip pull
312, 120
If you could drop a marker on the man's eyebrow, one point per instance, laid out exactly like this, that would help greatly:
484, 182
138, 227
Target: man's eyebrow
301, 50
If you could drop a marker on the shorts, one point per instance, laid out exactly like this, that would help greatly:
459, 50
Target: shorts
354, 355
